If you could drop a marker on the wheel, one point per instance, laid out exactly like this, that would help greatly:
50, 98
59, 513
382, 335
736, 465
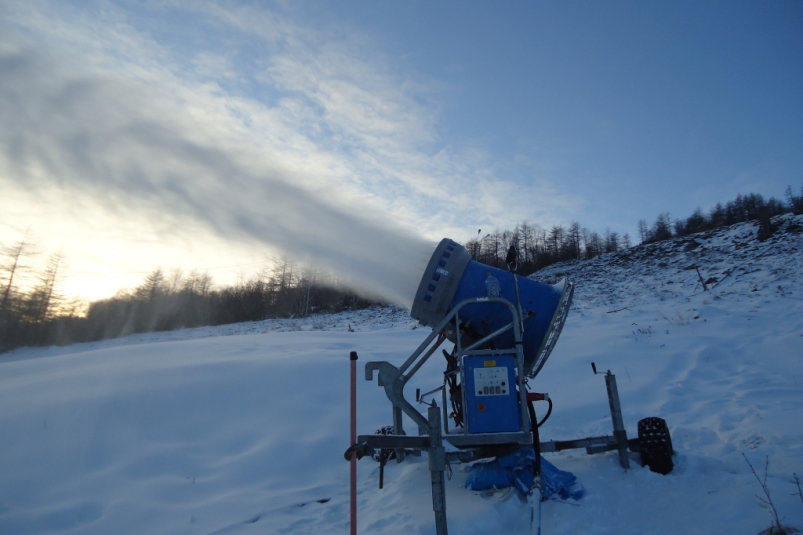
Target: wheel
656, 445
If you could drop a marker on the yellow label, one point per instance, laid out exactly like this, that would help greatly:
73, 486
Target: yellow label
488, 363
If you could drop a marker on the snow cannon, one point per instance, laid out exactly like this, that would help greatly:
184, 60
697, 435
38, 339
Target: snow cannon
452, 277
502, 328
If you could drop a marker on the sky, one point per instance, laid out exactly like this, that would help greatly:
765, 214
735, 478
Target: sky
354, 135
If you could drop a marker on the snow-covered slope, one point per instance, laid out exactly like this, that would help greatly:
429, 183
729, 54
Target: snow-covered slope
241, 429
724, 367
729, 260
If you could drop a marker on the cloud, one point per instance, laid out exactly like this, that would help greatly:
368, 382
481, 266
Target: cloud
263, 131
109, 139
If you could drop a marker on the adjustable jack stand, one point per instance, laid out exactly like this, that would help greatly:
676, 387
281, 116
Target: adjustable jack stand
619, 432
620, 442
437, 465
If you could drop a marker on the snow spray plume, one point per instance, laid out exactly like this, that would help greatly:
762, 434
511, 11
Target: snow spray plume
122, 145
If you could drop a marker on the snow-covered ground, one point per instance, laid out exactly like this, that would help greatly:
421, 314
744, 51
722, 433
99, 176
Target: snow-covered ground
241, 429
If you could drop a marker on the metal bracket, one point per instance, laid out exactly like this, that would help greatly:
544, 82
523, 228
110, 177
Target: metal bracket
392, 379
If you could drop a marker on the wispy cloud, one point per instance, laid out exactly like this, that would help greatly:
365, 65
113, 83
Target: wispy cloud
310, 145
105, 139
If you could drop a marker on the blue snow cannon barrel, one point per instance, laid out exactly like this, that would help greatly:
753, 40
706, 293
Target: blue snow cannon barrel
452, 276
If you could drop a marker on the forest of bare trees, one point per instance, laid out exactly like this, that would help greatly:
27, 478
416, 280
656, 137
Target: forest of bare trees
541, 246
34, 312
26, 316
40, 315
170, 301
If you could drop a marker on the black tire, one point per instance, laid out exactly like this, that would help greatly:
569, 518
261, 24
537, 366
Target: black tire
656, 445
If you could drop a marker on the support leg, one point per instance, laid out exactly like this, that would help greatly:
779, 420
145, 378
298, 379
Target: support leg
398, 429
353, 468
619, 431
437, 465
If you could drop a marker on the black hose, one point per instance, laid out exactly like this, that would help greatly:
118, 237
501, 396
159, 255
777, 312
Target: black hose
548, 412
536, 438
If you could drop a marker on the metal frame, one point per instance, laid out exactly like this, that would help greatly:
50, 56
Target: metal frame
395, 379
434, 429
438, 458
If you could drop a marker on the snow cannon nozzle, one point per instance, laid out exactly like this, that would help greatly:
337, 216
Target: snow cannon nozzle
452, 276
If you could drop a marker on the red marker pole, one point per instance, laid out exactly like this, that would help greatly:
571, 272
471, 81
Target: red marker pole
353, 358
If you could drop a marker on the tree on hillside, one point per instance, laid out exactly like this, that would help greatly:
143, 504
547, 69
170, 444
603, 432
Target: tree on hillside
643, 231
555, 241
197, 283
474, 245
662, 228
175, 281
594, 246
626, 243
492, 246
527, 235
155, 284
282, 272
573, 239
611, 241
795, 202
12, 300
12, 266
539, 247
697, 222
44, 301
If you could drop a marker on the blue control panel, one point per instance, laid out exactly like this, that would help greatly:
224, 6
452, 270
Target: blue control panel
490, 398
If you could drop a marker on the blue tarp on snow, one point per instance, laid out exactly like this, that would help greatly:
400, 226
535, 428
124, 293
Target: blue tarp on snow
516, 470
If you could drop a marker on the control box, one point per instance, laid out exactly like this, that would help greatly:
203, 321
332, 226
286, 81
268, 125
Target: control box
490, 400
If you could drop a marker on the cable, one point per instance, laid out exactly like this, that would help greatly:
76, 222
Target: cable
548, 413
536, 439
455, 390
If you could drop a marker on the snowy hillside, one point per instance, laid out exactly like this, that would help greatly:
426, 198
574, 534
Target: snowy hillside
241, 429
730, 260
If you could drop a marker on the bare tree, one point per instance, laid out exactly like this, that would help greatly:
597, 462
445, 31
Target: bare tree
643, 231
154, 285
626, 243
526, 231
573, 236
795, 202
491, 246
14, 255
611, 241
594, 246
557, 236
539, 246
662, 228
175, 281
474, 245
197, 283
308, 278
43, 302
282, 272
